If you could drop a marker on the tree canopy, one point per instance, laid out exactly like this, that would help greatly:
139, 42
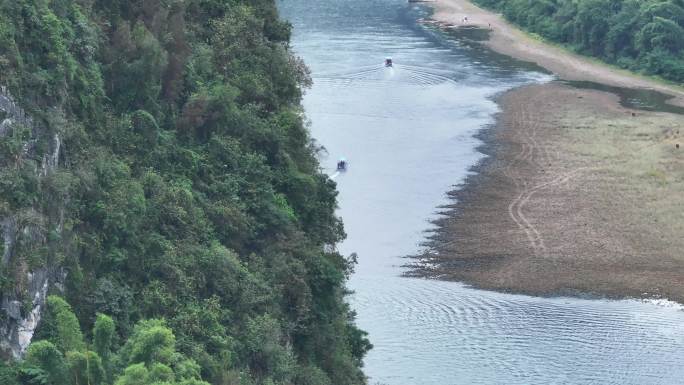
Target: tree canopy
640, 35
188, 211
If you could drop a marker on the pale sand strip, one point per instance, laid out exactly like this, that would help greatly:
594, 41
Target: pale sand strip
509, 40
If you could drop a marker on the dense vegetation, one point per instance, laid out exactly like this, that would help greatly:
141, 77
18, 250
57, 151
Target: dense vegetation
641, 35
188, 210
61, 356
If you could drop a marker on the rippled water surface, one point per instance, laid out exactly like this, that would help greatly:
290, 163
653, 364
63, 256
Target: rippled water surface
408, 133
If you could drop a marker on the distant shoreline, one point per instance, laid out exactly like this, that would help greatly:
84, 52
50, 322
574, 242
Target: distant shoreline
509, 40
578, 196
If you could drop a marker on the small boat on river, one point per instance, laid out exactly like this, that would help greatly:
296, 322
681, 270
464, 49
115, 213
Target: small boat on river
342, 165
388, 62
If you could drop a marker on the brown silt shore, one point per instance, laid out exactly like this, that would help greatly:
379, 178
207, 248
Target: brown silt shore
579, 195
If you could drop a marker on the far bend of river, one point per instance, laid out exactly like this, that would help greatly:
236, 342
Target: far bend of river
408, 135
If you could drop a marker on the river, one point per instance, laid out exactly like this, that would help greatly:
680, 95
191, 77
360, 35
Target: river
408, 133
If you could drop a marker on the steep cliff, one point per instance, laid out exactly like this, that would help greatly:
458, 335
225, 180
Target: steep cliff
25, 230
155, 164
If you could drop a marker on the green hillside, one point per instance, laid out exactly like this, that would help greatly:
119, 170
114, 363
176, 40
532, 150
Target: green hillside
168, 187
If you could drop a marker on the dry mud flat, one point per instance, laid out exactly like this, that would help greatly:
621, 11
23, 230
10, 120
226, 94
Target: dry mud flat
579, 195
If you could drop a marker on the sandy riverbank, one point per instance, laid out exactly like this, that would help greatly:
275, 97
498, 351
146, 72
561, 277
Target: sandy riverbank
579, 195
509, 40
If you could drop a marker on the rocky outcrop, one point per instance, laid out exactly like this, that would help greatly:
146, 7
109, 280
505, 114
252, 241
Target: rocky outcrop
18, 327
21, 304
12, 113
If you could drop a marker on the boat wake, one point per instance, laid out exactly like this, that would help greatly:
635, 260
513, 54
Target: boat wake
397, 74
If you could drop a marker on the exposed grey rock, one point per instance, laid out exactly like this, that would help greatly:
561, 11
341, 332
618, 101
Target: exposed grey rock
23, 305
18, 329
13, 309
8, 226
15, 114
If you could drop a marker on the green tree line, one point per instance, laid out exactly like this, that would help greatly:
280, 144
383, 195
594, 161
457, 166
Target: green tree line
188, 205
62, 356
645, 36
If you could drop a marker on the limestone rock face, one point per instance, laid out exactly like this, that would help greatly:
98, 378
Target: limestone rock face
22, 303
17, 329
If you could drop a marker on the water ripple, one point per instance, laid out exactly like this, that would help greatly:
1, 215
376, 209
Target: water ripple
408, 133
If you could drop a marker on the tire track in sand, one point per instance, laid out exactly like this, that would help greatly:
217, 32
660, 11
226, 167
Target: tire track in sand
532, 152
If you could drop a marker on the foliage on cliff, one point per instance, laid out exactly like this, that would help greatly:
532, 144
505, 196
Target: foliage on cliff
62, 357
640, 35
187, 191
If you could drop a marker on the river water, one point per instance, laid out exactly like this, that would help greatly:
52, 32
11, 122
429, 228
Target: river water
408, 133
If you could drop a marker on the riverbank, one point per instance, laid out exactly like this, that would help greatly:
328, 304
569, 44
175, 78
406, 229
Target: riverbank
579, 195
509, 40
